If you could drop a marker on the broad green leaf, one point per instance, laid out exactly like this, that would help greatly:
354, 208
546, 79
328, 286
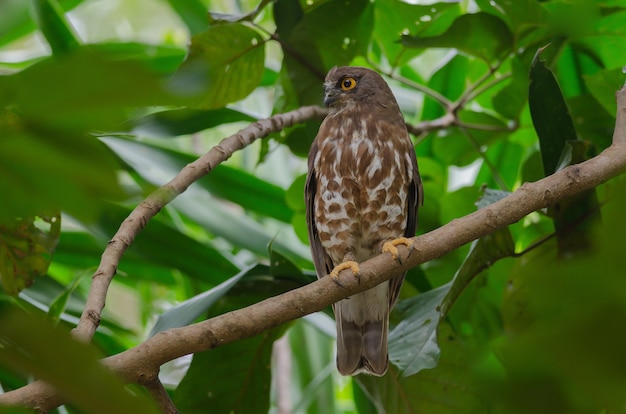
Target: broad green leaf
238, 229
394, 18
57, 30
572, 65
176, 122
482, 35
506, 158
483, 253
80, 250
193, 13
157, 165
572, 19
26, 250
510, 100
234, 377
40, 172
592, 122
188, 311
85, 91
32, 344
557, 134
155, 243
312, 49
413, 342
449, 81
224, 65
449, 388
550, 114
522, 16
603, 86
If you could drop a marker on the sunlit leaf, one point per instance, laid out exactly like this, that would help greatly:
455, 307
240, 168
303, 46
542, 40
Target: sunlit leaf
193, 13
394, 18
225, 64
482, 35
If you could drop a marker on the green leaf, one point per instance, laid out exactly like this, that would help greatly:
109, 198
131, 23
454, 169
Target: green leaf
449, 81
52, 169
26, 250
188, 311
155, 243
393, 17
413, 342
482, 35
193, 13
176, 122
312, 388
54, 26
449, 388
16, 20
483, 253
225, 64
511, 99
311, 49
59, 305
85, 91
603, 86
234, 377
550, 114
158, 59
522, 16
31, 344
157, 165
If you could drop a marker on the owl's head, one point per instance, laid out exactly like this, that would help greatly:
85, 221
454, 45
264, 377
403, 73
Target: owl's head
348, 85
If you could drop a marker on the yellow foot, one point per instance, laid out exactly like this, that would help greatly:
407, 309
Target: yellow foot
350, 264
390, 247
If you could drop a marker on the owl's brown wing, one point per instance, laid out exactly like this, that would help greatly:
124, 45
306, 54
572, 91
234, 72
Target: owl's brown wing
323, 263
414, 200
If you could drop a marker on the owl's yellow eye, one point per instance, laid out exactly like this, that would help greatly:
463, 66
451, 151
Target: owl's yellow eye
348, 83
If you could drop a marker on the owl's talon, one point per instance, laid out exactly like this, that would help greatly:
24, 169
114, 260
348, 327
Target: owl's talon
390, 247
352, 265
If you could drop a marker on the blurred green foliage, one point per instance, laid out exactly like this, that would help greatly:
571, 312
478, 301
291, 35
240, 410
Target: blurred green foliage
93, 118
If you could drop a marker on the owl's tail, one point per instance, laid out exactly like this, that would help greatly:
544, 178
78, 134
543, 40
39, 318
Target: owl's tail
361, 345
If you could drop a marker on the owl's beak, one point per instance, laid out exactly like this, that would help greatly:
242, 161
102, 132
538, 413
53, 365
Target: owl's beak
330, 97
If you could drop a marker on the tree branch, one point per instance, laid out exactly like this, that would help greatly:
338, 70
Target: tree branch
141, 362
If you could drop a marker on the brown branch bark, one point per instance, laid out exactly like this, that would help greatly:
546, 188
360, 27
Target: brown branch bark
141, 363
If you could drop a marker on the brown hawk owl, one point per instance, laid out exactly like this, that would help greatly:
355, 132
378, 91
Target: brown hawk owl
362, 193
